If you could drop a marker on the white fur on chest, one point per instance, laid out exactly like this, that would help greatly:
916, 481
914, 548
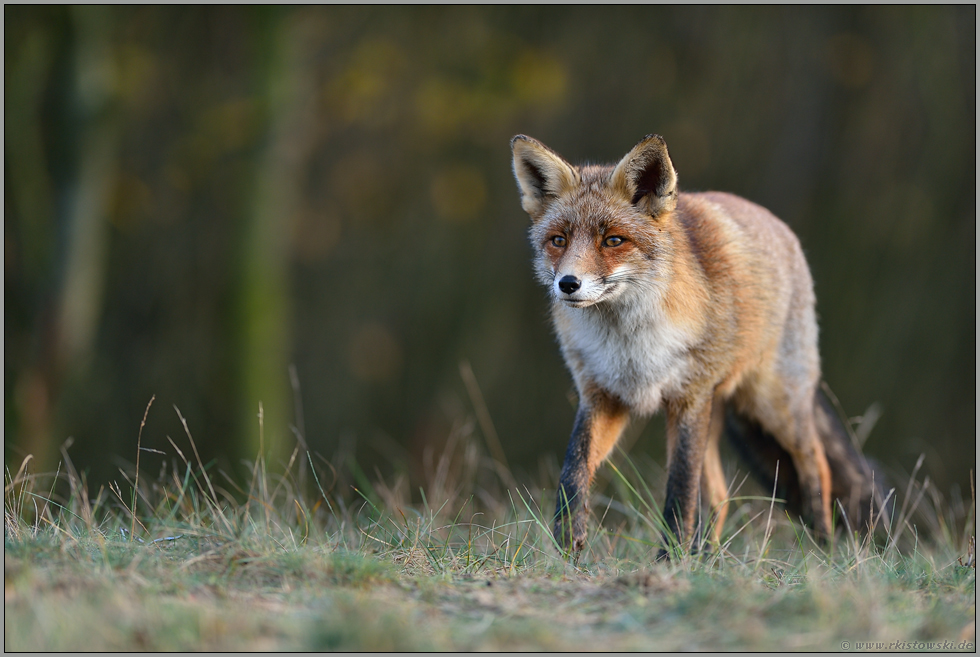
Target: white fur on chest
636, 354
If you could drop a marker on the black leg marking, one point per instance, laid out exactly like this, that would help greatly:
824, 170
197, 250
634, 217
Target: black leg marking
571, 509
689, 427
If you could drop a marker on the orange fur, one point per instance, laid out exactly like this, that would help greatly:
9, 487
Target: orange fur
689, 302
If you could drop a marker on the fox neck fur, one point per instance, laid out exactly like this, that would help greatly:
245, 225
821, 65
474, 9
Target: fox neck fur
640, 345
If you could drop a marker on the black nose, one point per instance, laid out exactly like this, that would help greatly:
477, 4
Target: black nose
569, 284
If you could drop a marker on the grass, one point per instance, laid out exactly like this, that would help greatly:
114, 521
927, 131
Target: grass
315, 557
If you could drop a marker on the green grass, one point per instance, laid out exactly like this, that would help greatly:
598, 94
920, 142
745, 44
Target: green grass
296, 560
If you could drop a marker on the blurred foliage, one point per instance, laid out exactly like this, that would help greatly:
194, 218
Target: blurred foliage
197, 198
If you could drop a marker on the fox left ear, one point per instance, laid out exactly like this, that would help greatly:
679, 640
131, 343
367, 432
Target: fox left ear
647, 177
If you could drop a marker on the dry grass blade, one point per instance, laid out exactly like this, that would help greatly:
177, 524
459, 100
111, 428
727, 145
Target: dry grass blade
213, 501
299, 429
78, 489
139, 444
16, 478
772, 502
486, 423
908, 496
114, 487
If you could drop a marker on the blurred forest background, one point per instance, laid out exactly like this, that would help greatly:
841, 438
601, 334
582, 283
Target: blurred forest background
223, 206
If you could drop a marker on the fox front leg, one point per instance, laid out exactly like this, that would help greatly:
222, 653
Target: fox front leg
598, 425
687, 439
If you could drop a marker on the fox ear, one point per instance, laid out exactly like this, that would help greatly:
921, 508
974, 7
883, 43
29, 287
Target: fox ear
541, 174
647, 177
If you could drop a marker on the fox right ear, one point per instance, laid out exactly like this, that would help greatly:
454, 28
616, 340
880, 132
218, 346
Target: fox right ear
646, 176
541, 174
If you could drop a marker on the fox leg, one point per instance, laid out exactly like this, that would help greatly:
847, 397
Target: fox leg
687, 442
814, 473
796, 432
713, 486
598, 425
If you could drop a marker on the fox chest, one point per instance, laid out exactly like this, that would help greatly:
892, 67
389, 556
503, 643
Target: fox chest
640, 364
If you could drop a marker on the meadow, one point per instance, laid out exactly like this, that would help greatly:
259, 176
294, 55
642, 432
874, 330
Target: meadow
301, 556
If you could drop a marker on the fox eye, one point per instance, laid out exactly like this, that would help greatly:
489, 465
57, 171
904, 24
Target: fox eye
558, 241
613, 241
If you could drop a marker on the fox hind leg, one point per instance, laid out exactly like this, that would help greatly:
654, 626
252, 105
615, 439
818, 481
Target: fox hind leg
815, 478
794, 428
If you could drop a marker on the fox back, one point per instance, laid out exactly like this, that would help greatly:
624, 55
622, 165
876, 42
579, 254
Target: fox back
687, 302
653, 295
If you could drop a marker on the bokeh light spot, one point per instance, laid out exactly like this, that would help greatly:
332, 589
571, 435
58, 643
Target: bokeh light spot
458, 193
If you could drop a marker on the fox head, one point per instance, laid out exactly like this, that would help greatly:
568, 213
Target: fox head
597, 231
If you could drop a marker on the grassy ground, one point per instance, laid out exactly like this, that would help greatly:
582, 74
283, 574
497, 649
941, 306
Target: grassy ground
207, 563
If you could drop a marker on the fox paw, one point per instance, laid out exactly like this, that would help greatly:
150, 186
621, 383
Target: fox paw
570, 534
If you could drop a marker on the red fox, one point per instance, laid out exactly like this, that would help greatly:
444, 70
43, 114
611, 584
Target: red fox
698, 303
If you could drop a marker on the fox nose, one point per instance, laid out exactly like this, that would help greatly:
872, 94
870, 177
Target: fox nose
569, 284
